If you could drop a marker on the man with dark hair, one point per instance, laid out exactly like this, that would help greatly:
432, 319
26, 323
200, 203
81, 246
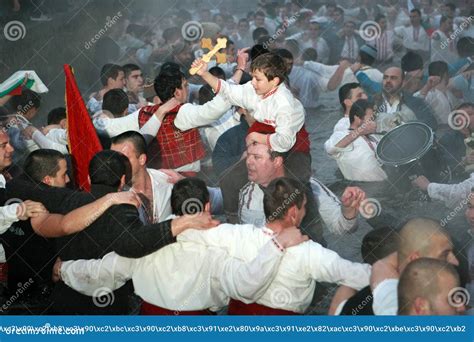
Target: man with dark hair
354, 148
348, 94
134, 84
352, 42
27, 104
383, 42
426, 288
135, 241
412, 65
243, 36
443, 48
257, 33
414, 37
116, 102
172, 148
112, 76
57, 116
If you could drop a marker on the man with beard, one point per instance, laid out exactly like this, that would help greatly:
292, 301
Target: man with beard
394, 104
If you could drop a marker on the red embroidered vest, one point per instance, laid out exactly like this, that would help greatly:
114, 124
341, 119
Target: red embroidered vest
172, 147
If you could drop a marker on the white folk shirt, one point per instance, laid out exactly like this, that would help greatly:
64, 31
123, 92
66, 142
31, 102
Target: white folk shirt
343, 124
329, 207
183, 276
384, 45
452, 194
307, 85
350, 49
443, 49
279, 109
161, 190
357, 161
301, 267
442, 102
413, 39
321, 47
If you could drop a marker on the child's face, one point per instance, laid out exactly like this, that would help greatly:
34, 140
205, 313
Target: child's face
261, 84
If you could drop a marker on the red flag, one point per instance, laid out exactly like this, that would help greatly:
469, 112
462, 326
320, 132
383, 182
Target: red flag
83, 140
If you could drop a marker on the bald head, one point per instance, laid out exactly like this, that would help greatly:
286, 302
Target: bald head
423, 237
425, 286
392, 80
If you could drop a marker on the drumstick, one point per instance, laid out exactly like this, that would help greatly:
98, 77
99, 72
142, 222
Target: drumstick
221, 43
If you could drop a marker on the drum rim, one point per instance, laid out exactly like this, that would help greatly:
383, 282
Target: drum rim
428, 146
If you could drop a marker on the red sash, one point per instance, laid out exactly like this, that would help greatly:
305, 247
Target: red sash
148, 309
302, 143
236, 307
171, 148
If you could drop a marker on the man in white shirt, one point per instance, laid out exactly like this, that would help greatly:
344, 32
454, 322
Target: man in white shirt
354, 149
348, 94
298, 271
419, 238
339, 216
414, 37
443, 46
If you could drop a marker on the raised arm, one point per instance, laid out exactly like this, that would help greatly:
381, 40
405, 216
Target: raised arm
56, 225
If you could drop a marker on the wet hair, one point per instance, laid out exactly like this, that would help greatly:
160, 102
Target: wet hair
345, 92
271, 65
280, 195
115, 101
416, 10
109, 71
27, 100
42, 163
438, 68
411, 61
257, 50
189, 196
379, 243
205, 94
365, 58
309, 54
218, 72
128, 68
135, 138
168, 80
56, 115
258, 32
465, 47
359, 109
107, 168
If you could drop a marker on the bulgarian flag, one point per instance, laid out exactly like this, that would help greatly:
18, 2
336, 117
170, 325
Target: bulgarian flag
14, 84
82, 137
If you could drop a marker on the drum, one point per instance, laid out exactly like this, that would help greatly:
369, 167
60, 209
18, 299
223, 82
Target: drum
408, 151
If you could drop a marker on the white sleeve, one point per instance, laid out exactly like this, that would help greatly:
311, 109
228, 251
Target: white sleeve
289, 121
248, 281
327, 266
192, 116
330, 210
116, 126
150, 129
87, 276
451, 194
216, 200
58, 135
8, 216
224, 236
43, 142
334, 139
386, 298
239, 95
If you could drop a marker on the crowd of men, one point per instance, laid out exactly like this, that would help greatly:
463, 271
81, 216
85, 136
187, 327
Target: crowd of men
204, 201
